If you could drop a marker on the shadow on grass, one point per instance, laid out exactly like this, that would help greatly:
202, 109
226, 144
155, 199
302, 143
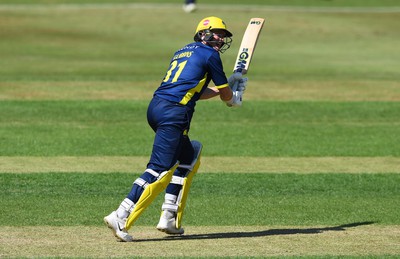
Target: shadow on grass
269, 232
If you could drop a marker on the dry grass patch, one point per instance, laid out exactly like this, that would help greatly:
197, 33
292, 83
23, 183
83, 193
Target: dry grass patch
81, 90
108, 164
360, 239
257, 90
324, 91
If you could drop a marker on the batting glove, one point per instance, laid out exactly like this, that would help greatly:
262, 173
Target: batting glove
241, 84
237, 82
234, 78
236, 99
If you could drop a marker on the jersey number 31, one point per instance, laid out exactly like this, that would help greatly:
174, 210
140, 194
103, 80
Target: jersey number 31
175, 71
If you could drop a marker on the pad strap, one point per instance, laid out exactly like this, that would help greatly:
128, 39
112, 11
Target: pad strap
177, 180
170, 207
152, 172
142, 183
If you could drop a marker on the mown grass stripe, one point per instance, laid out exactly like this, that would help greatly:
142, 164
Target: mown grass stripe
226, 7
135, 164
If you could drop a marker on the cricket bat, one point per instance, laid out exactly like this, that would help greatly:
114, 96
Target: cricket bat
248, 45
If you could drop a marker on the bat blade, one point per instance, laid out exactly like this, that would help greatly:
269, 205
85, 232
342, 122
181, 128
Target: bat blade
248, 45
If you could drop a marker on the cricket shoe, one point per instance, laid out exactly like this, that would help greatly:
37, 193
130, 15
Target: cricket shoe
117, 226
167, 224
189, 8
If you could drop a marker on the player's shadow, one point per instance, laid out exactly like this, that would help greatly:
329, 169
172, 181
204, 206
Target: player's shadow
269, 232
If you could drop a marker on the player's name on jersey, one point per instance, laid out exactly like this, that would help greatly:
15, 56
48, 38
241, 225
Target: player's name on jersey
185, 54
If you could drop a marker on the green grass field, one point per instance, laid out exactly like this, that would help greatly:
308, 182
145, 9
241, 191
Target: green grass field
309, 166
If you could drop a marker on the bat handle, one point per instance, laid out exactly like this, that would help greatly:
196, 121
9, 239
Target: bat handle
241, 70
235, 86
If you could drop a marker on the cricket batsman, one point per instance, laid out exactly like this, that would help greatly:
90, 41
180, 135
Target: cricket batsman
175, 158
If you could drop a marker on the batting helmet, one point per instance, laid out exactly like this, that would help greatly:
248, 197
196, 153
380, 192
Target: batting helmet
212, 23
205, 32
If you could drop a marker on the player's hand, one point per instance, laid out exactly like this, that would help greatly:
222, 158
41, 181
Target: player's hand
236, 99
241, 84
233, 78
237, 82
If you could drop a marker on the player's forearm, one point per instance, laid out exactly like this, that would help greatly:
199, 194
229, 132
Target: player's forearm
210, 92
225, 94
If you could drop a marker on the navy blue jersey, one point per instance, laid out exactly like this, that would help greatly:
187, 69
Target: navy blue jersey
190, 71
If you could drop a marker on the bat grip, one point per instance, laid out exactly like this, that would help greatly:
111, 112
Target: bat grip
235, 86
240, 70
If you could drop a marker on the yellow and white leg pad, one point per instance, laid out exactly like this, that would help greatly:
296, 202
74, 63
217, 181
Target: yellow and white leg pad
150, 192
186, 182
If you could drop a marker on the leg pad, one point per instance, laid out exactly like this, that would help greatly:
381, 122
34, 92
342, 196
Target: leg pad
150, 192
186, 182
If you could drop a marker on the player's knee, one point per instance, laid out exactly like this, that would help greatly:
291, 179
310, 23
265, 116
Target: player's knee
187, 168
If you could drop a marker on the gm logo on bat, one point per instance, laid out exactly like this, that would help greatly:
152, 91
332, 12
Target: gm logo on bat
242, 59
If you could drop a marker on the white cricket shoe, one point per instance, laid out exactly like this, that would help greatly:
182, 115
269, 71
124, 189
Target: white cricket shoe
117, 226
189, 8
167, 224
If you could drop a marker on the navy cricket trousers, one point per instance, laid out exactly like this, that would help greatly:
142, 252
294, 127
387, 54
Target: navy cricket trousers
171, 122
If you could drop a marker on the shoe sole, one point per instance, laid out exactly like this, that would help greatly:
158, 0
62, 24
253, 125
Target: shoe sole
169, 233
